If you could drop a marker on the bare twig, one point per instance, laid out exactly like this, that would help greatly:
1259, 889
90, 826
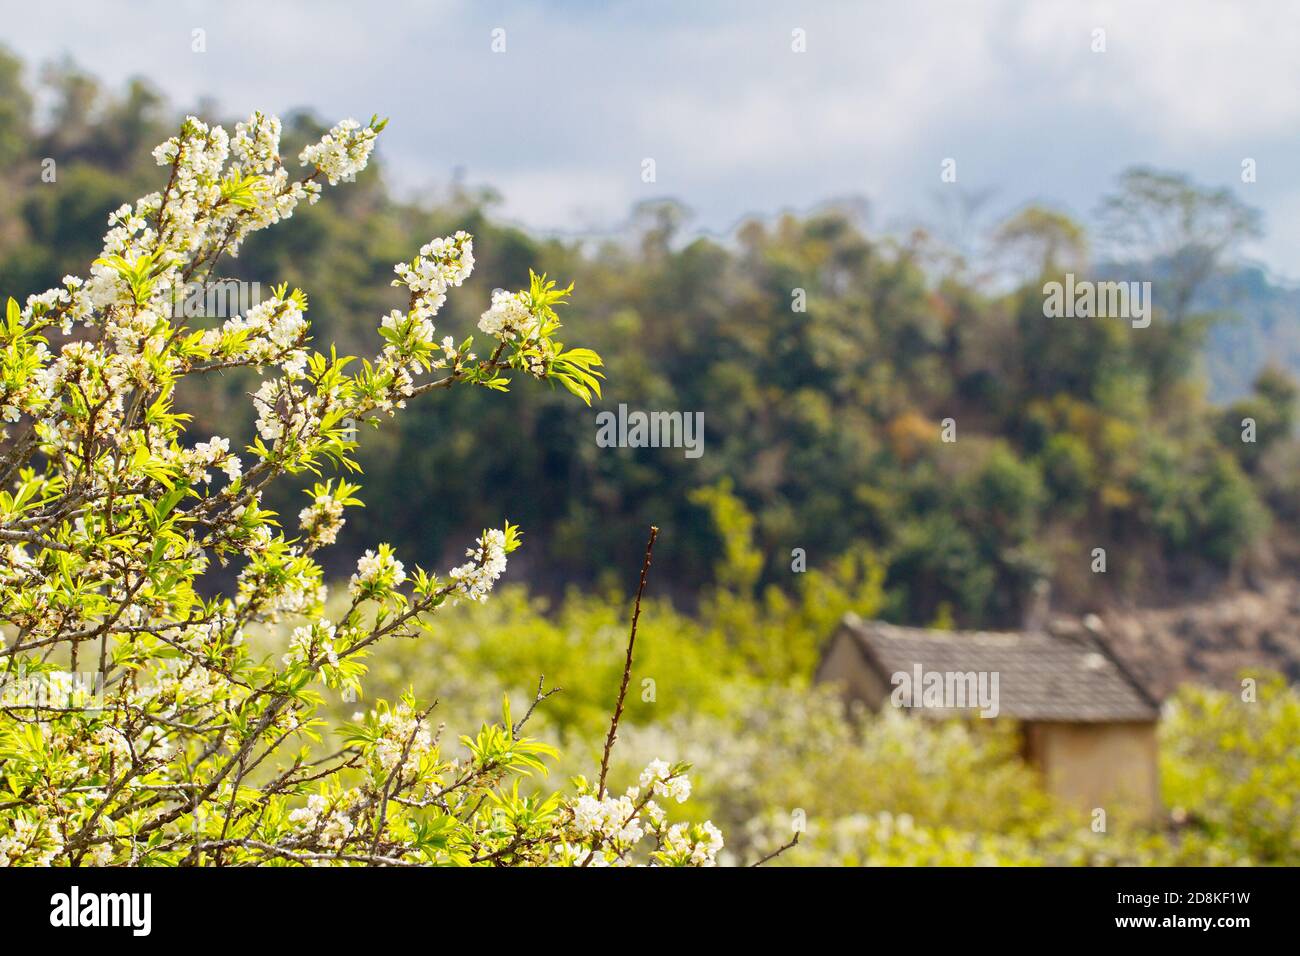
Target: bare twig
775, 853
627, 665
537, 699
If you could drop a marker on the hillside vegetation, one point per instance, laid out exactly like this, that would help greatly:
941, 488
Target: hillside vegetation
827, 423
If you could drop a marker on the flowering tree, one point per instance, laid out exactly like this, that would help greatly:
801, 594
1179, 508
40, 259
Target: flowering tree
185, 747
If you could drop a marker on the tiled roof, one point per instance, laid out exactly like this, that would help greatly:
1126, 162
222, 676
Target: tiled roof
1041, 676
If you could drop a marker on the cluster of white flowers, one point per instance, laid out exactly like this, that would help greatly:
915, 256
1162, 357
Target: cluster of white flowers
256, 150
342, 152
112, 742
278, 327
450, 353
215, 453
129, 236
71, 301
442, 264
401, 729
284, 409
321, 520
323, 815
26, 836
613, 819
411, 346
256, 144
197, 157
406, 354
575, 854
659, 776
211, 634
693, 844
605, 830
475, 578
200, 682
377, 573
509, 317
407, 325
307, 642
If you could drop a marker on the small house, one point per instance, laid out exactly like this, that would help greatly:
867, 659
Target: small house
1088, 725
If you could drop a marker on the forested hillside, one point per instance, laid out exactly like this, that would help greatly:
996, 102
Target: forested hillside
825, 360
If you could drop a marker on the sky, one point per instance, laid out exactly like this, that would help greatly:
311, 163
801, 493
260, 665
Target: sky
737, 122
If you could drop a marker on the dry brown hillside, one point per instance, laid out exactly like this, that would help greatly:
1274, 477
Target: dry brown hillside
1208, 642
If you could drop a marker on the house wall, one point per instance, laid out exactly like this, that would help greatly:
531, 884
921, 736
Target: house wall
1112, 766
842, 664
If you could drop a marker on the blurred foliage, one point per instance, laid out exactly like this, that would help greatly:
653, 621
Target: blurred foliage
869, 788
770, 752
1230, 767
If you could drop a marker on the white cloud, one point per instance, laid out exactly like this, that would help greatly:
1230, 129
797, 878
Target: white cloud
735, 120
